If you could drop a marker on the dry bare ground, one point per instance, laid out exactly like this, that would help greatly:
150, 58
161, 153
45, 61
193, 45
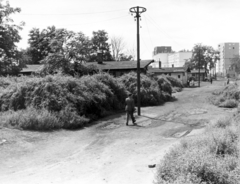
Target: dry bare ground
108, 151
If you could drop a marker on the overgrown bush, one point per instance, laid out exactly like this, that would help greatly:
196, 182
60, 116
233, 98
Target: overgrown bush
164, 84
227, 97
74, 101
221, 123
117, 88
174, 82
229, 103
150, 92
210, 158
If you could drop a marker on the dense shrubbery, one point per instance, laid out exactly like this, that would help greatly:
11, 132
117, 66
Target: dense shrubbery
228, 97
210, 158
174, 82
154, 91
150, 93
69, 102
73, 101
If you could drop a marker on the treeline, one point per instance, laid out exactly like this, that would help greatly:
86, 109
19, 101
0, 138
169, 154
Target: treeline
55, 47
58, 101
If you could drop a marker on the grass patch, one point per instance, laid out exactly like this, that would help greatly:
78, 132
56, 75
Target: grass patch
31, 119
211, 158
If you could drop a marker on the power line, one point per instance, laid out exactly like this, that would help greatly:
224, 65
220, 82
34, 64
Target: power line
157, 26
89, 22
112, 11
147, 48
149, 33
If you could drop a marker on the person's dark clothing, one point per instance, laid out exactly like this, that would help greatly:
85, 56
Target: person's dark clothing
130, 107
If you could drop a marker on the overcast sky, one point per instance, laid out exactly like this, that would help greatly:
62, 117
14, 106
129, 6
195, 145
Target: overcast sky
176, 23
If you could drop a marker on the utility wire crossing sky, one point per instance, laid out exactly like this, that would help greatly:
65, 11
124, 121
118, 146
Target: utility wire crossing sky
177, 23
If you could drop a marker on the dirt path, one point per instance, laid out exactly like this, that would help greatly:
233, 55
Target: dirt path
108, 152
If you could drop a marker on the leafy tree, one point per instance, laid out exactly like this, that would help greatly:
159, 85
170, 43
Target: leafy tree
24, 57
235, 64
123, 57
79, 47
9, 36
39, 43
100, 45
68, 51
188, 63
203, 57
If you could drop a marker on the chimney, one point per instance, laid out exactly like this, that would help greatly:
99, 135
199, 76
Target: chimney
99, 58
160, 65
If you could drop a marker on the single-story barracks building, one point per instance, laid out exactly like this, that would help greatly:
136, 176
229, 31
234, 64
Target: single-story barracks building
181, 73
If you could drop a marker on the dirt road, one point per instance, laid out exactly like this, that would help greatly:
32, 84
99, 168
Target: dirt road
109, 151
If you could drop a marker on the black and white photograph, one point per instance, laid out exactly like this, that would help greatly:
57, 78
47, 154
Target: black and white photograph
119, 92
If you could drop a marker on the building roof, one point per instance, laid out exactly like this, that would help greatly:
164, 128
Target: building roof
120, 65
31, 68
197, 71
106, 65
169, 70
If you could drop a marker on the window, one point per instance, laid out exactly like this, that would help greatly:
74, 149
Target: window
179, 76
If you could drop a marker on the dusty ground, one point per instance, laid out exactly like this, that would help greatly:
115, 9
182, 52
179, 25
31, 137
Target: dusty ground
109, 151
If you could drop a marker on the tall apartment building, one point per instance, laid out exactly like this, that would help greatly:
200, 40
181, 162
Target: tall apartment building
227, 51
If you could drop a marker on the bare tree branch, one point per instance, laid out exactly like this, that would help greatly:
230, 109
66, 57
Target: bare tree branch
118, 45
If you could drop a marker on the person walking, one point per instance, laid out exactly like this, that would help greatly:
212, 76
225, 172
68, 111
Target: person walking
211, 80
227, 80
130, 107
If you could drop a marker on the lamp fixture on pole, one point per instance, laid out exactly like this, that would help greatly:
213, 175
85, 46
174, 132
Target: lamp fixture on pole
138, 10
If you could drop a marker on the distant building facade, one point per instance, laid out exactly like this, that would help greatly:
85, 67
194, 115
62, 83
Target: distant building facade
163, 57
162, 49
178, 59
227, 51
180, 73
169, 58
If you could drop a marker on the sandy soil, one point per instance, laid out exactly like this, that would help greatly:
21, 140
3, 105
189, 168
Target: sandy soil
108, 151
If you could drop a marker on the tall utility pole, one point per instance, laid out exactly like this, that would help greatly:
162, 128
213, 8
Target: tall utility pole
138, 10
199, 60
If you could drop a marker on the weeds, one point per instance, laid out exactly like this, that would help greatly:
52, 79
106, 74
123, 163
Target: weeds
210, 158
227, 97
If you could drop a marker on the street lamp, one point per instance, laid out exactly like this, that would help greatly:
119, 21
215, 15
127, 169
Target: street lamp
138, 10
